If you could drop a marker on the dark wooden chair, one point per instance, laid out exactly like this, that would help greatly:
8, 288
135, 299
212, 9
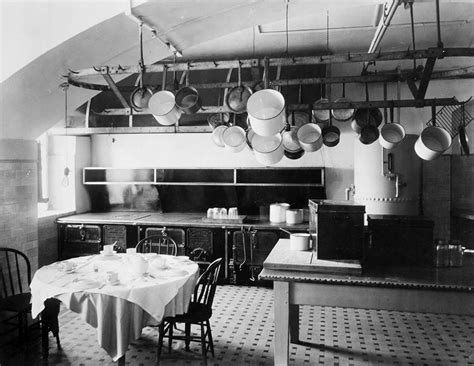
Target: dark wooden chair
160, 244
199, 313
15, 296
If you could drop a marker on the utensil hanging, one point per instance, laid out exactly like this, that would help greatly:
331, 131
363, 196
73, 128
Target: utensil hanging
162, 104
188, 99
392, 133
343, 115
141, 95
238, 96
331, 134
433, 140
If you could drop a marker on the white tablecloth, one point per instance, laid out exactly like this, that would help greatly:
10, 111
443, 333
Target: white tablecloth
118, 311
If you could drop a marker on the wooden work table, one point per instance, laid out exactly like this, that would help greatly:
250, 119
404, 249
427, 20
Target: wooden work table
299, 279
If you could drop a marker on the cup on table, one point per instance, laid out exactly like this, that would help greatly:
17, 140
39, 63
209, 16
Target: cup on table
109, 249
67, 266
111, 277
159, 262
131, 251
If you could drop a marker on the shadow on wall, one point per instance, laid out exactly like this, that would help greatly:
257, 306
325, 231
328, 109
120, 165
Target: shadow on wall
337, 181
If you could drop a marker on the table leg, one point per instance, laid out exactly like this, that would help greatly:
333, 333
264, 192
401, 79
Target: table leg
294, 323
282, 302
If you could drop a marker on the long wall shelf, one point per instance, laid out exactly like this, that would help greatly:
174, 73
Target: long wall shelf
284, 177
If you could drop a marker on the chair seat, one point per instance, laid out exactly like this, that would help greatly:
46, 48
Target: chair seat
197, 313
16, 303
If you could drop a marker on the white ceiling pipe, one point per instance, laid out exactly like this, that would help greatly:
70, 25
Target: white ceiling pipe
384, 23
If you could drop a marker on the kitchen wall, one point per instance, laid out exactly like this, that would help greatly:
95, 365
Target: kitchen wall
18, 197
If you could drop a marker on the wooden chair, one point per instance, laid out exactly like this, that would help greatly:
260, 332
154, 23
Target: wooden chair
199, 313
15, 277
160, 244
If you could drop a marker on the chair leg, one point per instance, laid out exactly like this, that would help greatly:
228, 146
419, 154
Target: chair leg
203, 344
209, 333
170, 336
187, 331
161, 334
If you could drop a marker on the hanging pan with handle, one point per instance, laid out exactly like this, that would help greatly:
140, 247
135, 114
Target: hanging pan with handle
433, 140
237, 97
331, 134
392, 133
141, 95
343, 115
162, 105
187, 98
369, 133
321, 115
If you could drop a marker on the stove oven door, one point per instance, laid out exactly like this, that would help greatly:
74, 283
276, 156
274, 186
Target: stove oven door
80, 240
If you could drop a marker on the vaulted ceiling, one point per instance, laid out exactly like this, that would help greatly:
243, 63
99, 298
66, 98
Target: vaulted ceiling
32, 101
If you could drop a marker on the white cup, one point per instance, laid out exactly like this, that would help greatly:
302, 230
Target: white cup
111, 277
67, 266
159, 262
131, 251
108, 249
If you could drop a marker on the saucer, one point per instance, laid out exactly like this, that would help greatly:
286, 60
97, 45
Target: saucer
108, 254
115, 283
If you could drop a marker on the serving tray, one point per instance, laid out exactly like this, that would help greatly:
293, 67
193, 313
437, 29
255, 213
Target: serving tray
234, 220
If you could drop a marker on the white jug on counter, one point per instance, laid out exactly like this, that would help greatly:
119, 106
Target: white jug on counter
278, 212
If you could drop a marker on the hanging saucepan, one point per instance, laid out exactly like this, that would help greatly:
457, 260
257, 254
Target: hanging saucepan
140, 97
391, 134
370, 131
187, 98
321, 115
331, 134
237, 97
291, 144
162, 105
433, 141
343, 115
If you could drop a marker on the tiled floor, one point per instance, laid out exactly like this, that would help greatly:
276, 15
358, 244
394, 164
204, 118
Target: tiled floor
243, 335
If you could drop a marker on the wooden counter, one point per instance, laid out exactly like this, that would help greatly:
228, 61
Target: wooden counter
416, 289
171, 219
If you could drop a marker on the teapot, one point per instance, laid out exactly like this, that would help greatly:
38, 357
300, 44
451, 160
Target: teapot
138, 264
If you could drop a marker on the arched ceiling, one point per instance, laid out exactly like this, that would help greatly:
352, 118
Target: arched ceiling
32, 100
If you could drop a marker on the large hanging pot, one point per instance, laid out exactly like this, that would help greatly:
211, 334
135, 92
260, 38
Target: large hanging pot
343, 115
266, 112
268, 150
433, 141
162, 105
238, 96
187, 98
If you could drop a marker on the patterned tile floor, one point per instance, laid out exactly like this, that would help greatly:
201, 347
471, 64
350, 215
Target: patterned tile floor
243, 335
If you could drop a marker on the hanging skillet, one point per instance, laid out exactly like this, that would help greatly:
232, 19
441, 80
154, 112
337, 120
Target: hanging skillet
343, 115
141, 95
236, 98
187, 98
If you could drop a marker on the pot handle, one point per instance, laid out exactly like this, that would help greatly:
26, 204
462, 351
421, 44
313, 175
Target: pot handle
385, 105
163, 78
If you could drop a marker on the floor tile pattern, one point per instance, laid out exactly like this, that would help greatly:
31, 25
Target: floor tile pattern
243, 335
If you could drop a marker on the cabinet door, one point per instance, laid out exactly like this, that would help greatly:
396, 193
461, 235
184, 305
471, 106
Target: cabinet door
252, 248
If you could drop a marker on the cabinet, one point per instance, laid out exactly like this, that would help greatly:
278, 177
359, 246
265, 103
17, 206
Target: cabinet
313, 177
